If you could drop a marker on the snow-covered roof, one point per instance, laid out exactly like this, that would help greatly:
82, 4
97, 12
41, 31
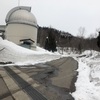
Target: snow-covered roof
21, 15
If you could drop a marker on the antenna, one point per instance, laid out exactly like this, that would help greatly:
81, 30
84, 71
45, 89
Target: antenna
18, 2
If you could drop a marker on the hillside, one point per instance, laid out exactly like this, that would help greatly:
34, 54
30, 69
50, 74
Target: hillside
66, 39
59, 35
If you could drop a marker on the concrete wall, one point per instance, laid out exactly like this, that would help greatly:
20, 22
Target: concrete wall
17, 32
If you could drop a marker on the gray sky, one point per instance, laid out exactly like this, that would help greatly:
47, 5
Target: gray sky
65, 15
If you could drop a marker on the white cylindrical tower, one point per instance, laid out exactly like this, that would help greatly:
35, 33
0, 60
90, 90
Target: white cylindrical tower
21, 27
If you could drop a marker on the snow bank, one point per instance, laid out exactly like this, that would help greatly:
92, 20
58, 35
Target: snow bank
11, 52
88, 82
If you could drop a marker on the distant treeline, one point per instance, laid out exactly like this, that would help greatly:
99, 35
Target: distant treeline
65, 39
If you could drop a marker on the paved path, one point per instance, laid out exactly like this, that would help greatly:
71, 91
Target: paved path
16, 85
58, 76
4, 92
66, 74
20, 84
34, 94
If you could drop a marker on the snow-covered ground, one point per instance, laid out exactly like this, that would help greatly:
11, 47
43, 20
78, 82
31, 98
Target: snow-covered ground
88, 81
10, 52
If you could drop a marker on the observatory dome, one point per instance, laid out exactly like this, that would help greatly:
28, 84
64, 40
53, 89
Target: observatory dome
21, 16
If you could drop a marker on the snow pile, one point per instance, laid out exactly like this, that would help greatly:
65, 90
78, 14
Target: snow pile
10, 52
88, 82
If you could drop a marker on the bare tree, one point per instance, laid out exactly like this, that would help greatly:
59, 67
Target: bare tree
98, 30
81, 32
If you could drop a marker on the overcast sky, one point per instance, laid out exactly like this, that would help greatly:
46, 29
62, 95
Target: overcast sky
65, 15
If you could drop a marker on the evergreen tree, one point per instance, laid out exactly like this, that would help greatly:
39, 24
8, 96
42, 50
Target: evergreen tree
98, 40
50, 43
46, 44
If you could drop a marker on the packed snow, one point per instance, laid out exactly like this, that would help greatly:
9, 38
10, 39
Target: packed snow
88, 79
10, 52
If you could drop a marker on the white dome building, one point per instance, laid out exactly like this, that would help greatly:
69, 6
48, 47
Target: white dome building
21, 27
